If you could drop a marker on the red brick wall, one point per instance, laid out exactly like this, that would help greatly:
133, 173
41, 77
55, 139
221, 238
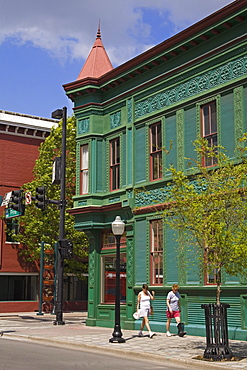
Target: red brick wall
17, 159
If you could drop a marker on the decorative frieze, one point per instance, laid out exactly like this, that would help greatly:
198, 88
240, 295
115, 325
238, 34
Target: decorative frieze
192, 87
153, 196
115, 119
83, 126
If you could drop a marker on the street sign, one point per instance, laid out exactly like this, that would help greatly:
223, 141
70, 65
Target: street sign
6, 199
28, 198
10, 213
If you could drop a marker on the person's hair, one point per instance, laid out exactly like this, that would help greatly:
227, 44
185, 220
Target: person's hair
175, 286
144, 286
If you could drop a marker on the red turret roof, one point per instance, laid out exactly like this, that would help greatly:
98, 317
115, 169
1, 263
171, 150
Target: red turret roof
98, 62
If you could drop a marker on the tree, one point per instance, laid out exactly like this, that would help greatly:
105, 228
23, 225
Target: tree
37, 225
208, 206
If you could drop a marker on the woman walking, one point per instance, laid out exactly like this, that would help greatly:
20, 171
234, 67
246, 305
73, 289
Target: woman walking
143, 302
173, 311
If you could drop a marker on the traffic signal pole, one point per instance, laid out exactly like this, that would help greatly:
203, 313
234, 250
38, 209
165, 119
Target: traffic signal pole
60, 266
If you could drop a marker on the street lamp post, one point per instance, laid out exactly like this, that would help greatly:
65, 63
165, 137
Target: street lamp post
117, 229
58, 114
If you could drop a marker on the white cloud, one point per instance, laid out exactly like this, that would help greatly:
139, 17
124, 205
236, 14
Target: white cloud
67, 29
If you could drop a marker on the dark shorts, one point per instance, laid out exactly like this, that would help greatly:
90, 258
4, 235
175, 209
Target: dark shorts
173, 314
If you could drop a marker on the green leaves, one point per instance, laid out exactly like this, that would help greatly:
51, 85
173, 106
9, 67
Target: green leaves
37, 225
209, 206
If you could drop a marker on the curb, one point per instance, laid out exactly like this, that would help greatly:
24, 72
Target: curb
196, 364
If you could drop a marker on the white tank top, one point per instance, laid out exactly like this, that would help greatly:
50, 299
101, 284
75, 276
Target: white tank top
145, 300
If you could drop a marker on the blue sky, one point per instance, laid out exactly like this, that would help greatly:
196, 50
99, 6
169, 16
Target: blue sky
44, 43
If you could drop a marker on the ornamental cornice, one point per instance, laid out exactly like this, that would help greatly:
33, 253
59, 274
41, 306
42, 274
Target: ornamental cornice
194, 86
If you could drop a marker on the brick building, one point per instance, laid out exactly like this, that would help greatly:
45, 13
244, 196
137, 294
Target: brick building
20, 138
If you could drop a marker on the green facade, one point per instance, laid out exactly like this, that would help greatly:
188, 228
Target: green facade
167, 84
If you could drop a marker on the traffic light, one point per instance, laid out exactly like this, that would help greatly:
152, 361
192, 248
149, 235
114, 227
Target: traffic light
40, 198
66, 248
16, 201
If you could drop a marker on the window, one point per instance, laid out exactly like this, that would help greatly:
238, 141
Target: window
155, 152
18, 288
209, 130
109, 240
156, 252
12, 229
109, 278
210, 274
84, 169
74, 289
114, 164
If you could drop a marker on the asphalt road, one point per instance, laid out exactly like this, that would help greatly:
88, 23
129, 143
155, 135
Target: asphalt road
21, 355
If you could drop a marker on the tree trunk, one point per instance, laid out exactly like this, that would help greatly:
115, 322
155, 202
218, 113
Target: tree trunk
218, 291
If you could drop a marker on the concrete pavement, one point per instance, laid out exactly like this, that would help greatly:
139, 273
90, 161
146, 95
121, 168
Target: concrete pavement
30, 326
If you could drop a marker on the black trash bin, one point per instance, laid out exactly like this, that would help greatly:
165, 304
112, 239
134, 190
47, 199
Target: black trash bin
216, 332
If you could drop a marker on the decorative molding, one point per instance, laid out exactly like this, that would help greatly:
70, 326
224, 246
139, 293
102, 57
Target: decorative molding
211, 79
82, 203
113, 200
78, 163
83, 126
115, 107
115, 119
148, 251
130, 262
91, 278
129, 193
218, 112
180, 139
153, 196
238, 114
129, 110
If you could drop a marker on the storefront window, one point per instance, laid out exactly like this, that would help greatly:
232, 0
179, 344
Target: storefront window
18, 288
109, 278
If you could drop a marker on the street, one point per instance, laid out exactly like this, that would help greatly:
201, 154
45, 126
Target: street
21, 355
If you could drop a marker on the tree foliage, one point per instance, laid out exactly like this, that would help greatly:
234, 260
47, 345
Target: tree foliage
209, 206
37, 225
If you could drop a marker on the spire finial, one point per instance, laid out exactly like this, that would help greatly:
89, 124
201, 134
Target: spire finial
98, 33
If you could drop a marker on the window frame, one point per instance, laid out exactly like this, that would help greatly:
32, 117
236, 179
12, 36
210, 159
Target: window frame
84, 170
209, 133
123, 278
115, 164
155, 151
156, 278
12, 225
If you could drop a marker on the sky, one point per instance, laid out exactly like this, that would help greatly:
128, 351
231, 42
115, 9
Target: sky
44, 43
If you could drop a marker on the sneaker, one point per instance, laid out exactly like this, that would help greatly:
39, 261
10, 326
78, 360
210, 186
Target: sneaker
140, 334
168, 334
151, 334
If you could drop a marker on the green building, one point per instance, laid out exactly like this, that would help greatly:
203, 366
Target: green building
194, 83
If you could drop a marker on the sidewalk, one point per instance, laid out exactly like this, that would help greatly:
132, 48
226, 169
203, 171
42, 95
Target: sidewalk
30, 326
